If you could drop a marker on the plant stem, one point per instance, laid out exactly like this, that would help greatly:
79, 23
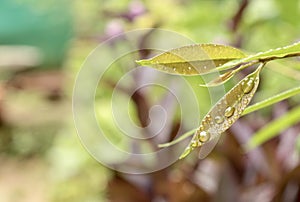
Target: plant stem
182, 137
273, 54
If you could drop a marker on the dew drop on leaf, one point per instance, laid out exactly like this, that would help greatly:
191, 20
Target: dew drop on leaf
219, 119
223, 114
204, 136
248, 86
229, 111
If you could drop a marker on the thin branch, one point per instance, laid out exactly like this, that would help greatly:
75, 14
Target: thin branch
237, 18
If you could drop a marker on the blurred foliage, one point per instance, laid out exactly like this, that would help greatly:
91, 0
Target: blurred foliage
46, 25
41, 156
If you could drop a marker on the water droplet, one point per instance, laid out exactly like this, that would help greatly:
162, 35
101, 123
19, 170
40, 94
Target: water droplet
248, 86
219, 119
204, 136
208, 118
239, 97
229, 111
194, 144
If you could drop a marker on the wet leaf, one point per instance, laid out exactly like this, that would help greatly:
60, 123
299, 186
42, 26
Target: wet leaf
265, 103
219, 80
221, 116
226, 76
193, 59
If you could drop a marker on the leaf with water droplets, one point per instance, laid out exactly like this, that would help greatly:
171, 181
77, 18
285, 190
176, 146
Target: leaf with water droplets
225, 112
193, 59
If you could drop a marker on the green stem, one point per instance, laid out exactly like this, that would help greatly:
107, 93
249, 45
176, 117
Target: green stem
273, 54
182, 137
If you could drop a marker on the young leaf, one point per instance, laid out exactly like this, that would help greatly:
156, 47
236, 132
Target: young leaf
219, 80
193, 59
223, 78
226, 111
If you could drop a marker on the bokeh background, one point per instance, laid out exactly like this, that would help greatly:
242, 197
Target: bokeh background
42, 47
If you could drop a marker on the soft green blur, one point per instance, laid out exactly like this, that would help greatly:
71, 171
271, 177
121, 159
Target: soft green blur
42, 47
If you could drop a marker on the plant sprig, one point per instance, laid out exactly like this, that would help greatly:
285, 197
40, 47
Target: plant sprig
207, 58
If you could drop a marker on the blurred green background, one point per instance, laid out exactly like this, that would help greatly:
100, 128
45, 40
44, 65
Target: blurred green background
42, 47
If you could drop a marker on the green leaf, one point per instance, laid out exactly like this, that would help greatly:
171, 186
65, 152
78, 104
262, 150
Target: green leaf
274, 128
283, 52
223, 78
193, 59
225, 112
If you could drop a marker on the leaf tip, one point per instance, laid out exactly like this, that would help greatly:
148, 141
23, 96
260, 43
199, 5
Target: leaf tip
210, 84
143, 62
203, 85
186, 152
163, 145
